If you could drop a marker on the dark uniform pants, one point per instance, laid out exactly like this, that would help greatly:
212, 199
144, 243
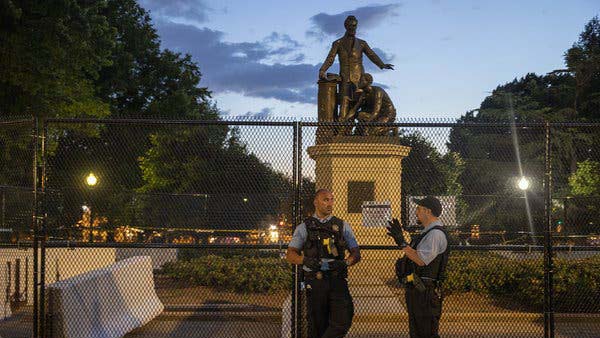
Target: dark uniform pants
330, 307
424, 312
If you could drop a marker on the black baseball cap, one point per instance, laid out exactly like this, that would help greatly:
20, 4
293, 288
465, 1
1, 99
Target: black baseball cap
430, 203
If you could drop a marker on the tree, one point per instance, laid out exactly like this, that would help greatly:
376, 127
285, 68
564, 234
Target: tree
50, 53
421, 169
581, 211
141, 80
561, 96
209, 160
586, 180
583, 62
426, 172
494, 155
69, 58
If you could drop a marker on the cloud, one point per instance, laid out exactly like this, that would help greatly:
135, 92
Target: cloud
266, 69
264, 114
271, 68
189, 10
333, 25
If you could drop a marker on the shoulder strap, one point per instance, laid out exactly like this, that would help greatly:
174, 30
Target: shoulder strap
337, 221
437, 227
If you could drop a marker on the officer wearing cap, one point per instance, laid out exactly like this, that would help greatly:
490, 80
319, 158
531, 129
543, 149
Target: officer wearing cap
319, 244
426, 258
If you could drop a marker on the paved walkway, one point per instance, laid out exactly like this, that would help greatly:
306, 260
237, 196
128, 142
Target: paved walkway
380, 313
247, 325
170, 326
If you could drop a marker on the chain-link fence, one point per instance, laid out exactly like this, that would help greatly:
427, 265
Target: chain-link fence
575, 217
213, 204
17, 198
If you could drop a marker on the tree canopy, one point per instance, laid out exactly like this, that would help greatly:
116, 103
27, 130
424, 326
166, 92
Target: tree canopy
494, 156
103, 59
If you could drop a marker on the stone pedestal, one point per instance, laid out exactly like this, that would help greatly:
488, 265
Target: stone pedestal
360, 168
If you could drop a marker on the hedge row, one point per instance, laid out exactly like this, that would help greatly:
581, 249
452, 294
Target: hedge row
576, 281
235, 273
189, 253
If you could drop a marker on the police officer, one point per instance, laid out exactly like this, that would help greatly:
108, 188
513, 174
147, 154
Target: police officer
423, 268
319, 244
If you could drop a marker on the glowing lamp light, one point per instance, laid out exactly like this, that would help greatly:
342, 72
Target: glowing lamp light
273, 236
523, 183
91, 180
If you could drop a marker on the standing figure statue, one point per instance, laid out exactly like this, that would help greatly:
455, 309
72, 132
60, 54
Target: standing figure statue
349, 50
373, 105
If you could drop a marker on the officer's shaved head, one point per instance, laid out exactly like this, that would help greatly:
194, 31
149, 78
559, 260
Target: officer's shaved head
322, 191
323, 203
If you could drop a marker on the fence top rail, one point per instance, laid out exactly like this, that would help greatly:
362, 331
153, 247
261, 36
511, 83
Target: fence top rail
20, 245
15, 187
280, 246
14, 122
407, 123
169, 122
74, 244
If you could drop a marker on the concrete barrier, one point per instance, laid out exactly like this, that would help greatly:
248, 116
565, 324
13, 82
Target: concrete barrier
104, 303
159, 256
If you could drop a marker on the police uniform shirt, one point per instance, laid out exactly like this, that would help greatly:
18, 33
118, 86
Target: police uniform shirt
300, 235
433, 244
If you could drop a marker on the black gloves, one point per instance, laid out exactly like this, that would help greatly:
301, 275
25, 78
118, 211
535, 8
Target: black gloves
312, 263
395, 231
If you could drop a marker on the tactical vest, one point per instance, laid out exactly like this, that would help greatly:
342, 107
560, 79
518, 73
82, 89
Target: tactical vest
324, 240
437, 268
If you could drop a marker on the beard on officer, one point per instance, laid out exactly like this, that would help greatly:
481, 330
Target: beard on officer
422, 268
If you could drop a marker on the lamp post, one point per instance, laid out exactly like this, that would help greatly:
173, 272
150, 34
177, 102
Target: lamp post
91, 181
524, 184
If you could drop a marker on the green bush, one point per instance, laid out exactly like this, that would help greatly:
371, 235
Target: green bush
189, 253
235, 273
576, 281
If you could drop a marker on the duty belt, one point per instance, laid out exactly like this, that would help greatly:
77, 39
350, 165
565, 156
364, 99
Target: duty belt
321, 274
425, 281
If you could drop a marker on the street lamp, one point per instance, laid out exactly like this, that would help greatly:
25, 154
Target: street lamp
523, 183
91, 180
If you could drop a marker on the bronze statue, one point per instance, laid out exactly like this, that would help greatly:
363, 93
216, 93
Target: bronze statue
349, 50
373, 105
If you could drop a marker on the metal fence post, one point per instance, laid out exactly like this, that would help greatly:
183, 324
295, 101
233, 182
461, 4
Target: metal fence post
35, 226
296, 303
42, 233
548, 260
